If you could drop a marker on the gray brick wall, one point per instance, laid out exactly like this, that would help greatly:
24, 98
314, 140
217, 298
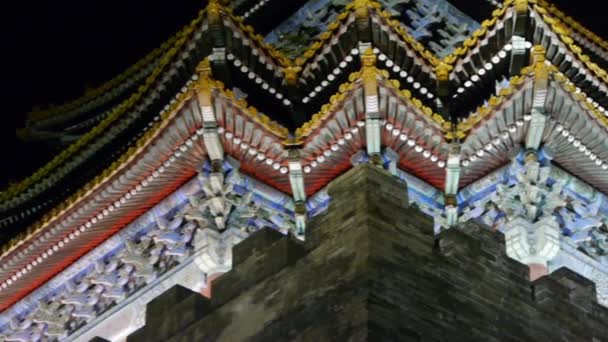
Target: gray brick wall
372, 270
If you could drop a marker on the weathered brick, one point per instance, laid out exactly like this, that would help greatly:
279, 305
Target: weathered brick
371, 272
170, 312
256, 243
264, 259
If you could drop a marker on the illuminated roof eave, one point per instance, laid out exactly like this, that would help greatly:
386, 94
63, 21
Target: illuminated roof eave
72, 107
584, 33
282, 61
130, 166
514, 105
458, 55
317, 121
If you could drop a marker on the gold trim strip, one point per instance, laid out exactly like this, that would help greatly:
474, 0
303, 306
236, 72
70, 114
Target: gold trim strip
462, 131
105, 123
98, 91
325, 37
564, 35
575, 25
286, 62
105, 176
132, 153
336, 100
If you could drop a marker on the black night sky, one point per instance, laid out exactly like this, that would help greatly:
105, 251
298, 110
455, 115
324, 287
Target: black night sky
51, 50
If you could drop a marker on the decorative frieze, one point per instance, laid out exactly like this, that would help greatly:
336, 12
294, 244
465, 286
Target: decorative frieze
220, 210
539, 207
532, 233
437, 22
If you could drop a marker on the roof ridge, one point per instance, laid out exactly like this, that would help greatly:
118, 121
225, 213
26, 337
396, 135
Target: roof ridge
128, 156
285, 62
116, 113
106, 174
478, 35
581, 97
564, 36
308, 127
36, 115
357, 5
494, 101
121, 108
574, 24
534, 70
249, 111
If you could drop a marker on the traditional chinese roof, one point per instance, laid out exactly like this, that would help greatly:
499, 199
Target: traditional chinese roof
266, 105
265, 74
595, 46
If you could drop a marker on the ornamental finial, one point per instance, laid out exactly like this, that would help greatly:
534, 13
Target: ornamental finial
361, 3
361, 8
203, 69
531, 156
291, 74
450, 200
560, 29
521, 6
538, 54
442, 71
541, 70
213, 10
203, 86
368, 59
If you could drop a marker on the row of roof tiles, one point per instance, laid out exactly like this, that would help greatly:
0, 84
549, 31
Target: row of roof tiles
358, 5
539, 69
544, 5
303, 133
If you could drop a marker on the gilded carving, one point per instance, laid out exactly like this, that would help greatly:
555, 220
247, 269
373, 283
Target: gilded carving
442, 71
368, 58
86, 138
291, 74
361, 8
521, 6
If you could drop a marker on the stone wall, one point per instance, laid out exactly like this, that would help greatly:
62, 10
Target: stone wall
372, 270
